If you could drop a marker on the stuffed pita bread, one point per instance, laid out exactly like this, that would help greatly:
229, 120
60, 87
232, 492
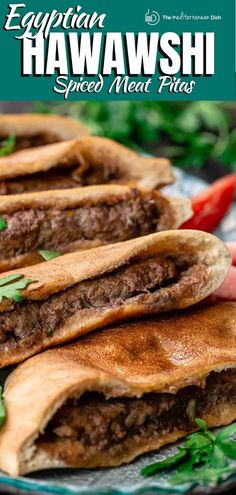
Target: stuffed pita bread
37, 129
83, 162
121, 392
82, 218
79, 292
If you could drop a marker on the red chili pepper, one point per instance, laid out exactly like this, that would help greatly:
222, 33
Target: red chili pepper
210, 206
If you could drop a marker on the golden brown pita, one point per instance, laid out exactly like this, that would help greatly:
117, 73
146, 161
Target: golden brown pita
86, 161
82, 218
156, 376
82, 291
38, 129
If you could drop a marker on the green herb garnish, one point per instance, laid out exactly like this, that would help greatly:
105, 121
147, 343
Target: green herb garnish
10, 287
8, 145
2, 408
192, 133
166, 464
203, 457
48, 255
3, 224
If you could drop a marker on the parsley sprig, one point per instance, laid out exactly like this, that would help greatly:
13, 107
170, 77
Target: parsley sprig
8, 146
48, 255
3, 224
204, 457
2, 408
193, 132
11, 285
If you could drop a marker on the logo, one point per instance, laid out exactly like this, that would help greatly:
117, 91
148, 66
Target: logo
152, 17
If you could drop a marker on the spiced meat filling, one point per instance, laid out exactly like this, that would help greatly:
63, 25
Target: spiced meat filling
55, 229
85, 427
56, 178
28, 322
61, 177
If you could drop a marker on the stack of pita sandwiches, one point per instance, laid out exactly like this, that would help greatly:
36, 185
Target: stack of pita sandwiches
118, 353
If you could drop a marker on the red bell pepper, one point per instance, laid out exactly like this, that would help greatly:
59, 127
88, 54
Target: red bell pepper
211, 205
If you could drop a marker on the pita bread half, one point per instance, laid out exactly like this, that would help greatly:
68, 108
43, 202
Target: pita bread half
156, 376
86, 161
79, 292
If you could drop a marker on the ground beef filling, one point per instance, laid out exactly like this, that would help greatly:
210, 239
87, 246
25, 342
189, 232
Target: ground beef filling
53, 229
85, 427
30, 321
24, 142
60, 178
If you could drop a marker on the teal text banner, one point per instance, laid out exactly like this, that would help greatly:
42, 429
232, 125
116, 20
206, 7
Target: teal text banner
104, 49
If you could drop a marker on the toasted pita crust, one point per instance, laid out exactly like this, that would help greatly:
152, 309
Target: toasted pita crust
29, 125
99, 152
157, 355
173, 212
208, 255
